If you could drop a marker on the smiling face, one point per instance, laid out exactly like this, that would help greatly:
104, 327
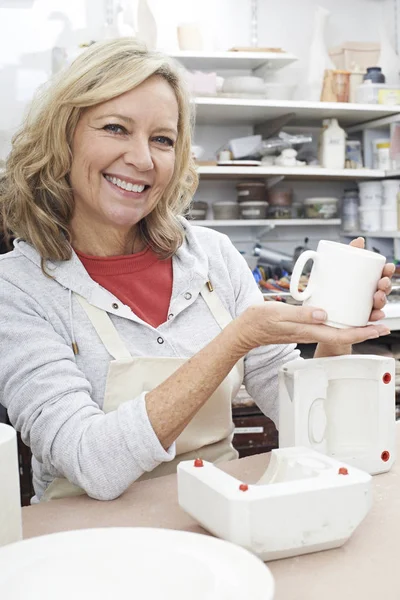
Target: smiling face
123, 160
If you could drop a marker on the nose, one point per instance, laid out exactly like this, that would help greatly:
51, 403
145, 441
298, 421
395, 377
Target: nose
139, 155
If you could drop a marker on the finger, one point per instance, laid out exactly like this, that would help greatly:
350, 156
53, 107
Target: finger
306, 333
358, 242
305, 314
388, 270
385, 285
379, 300
356, 335
377, 315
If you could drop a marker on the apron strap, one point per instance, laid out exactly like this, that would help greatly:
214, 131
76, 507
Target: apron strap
217, 309
105, 330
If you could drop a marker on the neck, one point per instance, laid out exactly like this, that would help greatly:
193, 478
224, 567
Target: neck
106, 242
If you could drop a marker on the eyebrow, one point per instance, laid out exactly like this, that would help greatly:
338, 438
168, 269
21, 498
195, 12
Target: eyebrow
131, 121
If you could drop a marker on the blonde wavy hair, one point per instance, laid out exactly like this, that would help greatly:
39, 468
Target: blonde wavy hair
36, 198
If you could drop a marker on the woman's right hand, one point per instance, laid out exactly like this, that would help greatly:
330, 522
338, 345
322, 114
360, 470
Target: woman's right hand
278, 323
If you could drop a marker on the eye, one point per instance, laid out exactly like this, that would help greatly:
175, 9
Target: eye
164, 141
115, 128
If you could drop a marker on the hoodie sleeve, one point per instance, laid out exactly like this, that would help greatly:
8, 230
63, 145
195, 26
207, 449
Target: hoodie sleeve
261, 365
49, 400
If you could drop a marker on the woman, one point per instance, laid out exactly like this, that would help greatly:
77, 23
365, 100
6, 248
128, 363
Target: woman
125, 331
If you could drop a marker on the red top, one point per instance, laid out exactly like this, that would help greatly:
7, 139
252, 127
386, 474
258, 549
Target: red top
142, 281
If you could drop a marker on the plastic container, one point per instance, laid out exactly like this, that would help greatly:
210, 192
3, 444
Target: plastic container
389, 218
321, 208
333, 146
251, 191
253, 210
353, 155
198, 211
370, 194
377, 93
350, 204
370, 218
383, 156
375, 75
225, 210
375, 157
280, 212
391, 188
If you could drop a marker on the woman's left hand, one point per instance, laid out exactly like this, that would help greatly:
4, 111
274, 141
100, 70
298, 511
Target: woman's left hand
384, 285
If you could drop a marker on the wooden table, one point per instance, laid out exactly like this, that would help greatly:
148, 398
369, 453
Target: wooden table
366, 568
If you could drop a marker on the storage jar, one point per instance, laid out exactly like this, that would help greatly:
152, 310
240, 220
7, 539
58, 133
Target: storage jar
253, 210
251, 191
225, 210
280, 197
383, 156
198, 210
370, 218
321, 208
389, 218
350, 202
370, 193
375, 157
390, 188
280, 212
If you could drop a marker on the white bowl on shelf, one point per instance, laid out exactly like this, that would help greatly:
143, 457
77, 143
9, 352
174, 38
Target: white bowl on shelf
244, 84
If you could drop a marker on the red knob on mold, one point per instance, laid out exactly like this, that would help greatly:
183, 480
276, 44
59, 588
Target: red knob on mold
198, 463
243, 487
385, 455
387, 378
343, 471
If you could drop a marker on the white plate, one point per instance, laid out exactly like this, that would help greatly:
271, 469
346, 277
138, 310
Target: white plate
130, 563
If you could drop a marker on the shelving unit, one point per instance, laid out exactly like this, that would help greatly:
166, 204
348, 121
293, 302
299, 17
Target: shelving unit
234, 111
246, 61
306, 173
365, 121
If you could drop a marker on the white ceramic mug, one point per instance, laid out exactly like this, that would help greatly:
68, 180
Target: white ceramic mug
342, 282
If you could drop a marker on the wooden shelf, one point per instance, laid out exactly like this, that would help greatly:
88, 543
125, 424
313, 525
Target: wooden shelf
266, 222
221, 61
230, 111
314, 173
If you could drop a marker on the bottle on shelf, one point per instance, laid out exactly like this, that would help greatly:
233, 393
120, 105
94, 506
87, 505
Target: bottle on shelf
332, 145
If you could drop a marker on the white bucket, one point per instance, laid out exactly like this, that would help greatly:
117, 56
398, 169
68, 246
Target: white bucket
390, 187
389, 218
370, 193
370, 218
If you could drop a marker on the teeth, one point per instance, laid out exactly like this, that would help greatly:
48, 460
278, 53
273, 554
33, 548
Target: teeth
125, 185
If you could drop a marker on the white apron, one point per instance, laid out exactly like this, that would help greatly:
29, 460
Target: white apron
208, 434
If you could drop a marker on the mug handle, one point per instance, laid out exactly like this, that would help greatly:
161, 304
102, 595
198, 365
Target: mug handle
297, 271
